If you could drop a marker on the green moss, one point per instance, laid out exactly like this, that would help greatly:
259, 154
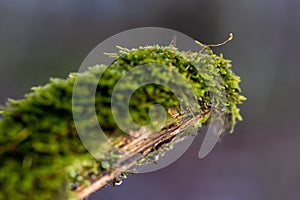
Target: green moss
41, 155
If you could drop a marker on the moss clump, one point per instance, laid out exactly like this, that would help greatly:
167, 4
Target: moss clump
41, 155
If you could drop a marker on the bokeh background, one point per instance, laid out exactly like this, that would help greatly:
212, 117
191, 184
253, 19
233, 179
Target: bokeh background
42, 39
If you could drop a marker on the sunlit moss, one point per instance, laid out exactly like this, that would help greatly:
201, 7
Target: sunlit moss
41, 155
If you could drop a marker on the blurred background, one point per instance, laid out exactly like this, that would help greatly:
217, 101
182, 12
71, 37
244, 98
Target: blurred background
42, 39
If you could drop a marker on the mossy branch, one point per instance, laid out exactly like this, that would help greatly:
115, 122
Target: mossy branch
41, 155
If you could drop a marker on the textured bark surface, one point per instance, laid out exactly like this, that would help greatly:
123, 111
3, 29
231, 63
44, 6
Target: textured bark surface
139, 148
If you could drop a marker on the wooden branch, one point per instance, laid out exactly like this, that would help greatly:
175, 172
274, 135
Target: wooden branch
139, 148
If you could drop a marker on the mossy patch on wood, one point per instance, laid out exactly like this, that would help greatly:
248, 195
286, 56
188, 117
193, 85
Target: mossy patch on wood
41, 155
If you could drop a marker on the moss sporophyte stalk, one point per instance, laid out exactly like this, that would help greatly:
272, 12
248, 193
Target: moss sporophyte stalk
41, 155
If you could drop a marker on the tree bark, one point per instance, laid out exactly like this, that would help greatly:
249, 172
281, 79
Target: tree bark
142, 147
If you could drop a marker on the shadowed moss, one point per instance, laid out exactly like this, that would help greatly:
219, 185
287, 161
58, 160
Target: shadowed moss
41, 155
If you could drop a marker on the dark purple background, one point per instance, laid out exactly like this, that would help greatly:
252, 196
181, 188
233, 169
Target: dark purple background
42, 39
